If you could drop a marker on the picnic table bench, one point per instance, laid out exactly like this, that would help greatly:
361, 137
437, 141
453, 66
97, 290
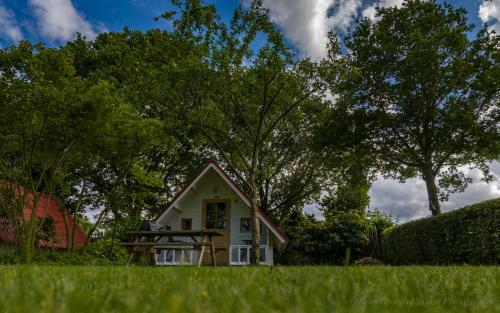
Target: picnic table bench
148, 242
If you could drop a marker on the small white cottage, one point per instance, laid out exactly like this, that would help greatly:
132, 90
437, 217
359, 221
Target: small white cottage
212, 200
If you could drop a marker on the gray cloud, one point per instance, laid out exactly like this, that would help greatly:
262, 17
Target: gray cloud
409, 200
405, 201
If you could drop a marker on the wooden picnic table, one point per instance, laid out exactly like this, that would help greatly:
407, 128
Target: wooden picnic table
149, 241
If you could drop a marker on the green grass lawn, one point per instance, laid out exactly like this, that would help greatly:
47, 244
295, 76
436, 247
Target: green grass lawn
278, 289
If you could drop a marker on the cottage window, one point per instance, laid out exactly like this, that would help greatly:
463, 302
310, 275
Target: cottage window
244, 225
216, 215
186, 223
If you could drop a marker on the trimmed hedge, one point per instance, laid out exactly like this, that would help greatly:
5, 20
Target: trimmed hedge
470, 235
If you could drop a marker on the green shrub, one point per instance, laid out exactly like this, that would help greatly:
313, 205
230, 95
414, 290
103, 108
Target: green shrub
97, 253
64, 258
9, 258
470, 235
367, 261
337, 239
101, 249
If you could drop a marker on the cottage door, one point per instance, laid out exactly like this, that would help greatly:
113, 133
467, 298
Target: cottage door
216, 214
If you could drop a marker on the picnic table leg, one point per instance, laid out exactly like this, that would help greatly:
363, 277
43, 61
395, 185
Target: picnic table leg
212, 246
131, 257
202, 252
133, 253
151, 255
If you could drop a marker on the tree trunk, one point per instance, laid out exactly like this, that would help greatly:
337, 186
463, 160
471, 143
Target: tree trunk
255, 225
432, 191
15, 200
27, 249
64, 214
30, 229
73, 231
75, 214
29, 241
96, 224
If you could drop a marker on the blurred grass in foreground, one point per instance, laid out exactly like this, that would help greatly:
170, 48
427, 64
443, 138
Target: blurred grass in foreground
249, 289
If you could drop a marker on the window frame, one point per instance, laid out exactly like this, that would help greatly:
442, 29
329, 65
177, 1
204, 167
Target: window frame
217, 216
183, 220
249, 226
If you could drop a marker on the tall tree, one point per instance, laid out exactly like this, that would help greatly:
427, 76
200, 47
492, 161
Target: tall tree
128, 176
290, 172
47, 113
241, 98
425, 95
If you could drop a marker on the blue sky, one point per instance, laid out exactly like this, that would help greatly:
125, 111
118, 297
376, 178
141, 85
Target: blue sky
56, 21
304, 24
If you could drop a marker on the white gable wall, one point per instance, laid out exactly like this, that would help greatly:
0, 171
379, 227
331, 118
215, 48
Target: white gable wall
212, 186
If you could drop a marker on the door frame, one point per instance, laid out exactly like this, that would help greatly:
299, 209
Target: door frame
227, 201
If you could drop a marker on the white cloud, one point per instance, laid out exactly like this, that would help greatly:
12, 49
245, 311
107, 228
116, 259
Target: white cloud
344, 13
306, 23
59, 20
490, 11
8, 25
372, 10
409, 200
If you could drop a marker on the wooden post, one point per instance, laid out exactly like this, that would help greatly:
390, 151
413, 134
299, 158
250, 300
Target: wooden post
151, 256
130, 257
202, 252
133, 253
212, 246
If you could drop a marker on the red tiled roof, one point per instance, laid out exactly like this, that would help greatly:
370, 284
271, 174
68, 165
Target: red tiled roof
46, 207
